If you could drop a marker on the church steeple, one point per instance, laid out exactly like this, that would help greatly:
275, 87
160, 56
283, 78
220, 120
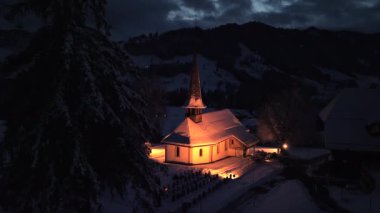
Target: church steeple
194, 103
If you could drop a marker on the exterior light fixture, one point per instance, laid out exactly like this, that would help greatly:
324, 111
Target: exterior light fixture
285, 146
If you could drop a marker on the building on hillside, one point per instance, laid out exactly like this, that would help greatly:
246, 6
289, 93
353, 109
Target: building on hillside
352, 121
206, 137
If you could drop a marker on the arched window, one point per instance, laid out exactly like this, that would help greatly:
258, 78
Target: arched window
200, 152
225, 145
177, 151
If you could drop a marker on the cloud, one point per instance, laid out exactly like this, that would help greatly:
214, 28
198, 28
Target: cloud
134, 17
337, 14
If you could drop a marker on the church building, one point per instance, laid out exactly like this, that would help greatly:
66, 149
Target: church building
206, 137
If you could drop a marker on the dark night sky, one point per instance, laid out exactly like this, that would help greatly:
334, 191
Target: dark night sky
134, 17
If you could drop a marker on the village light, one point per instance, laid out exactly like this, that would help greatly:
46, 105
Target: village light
285, 146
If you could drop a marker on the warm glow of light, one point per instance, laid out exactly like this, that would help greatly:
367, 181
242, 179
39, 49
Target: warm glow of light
285, 146
228, 175
221, 174
156, 152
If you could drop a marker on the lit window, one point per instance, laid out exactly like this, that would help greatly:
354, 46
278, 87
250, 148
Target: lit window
200, 152
177, 151
225, 145
217, 148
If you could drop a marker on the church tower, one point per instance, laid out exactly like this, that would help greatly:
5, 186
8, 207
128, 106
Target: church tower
194, 105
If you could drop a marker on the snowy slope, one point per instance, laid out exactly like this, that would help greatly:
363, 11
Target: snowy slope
212, 77
290, 196
366, 81
334, 74
356, 201
251, 63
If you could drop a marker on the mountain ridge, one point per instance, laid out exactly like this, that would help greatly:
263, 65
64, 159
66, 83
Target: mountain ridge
321, 60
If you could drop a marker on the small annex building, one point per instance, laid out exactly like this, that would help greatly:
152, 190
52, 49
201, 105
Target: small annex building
206, 137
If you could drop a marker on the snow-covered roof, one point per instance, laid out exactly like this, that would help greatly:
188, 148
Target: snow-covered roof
346, 119
215, 127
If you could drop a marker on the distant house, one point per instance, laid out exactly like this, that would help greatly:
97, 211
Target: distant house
206, 137
352, 121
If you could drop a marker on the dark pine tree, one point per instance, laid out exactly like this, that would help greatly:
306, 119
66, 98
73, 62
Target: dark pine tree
77, 114
288, 117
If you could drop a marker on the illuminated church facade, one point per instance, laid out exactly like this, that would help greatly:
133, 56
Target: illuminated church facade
206, 137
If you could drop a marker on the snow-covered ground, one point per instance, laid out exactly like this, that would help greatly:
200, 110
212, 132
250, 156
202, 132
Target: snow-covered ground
245, 171
116, 204
334, 74
356, 201
290, 196
229, 192
366, 81
232, 165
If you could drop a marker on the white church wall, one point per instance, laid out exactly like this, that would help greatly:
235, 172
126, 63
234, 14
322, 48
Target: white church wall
171, 154
222, 151
196, 158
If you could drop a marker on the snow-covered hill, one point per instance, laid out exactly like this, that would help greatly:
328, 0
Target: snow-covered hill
251, 63
253, 59
217, 79
212, 77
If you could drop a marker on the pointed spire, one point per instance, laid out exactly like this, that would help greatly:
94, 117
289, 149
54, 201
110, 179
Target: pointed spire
195, 91
194, 103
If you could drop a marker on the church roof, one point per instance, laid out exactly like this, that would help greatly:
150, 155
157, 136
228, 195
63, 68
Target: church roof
195, 93
215, 127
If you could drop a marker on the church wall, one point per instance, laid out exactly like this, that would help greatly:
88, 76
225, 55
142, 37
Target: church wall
191, 155
196, 158
235, 147
222, 151
171, 154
